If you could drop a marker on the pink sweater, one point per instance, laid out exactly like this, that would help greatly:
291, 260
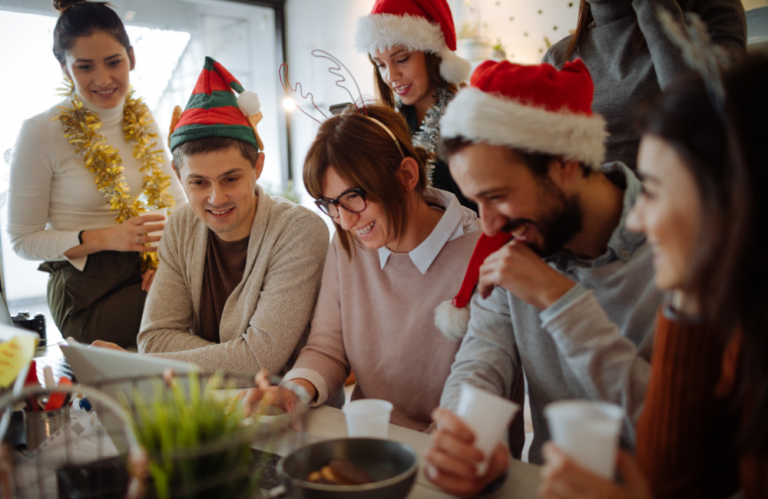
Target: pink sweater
379, 323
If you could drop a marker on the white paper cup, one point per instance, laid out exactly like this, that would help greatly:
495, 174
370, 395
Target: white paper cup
160, 211
488, 415
368, 418
588, 432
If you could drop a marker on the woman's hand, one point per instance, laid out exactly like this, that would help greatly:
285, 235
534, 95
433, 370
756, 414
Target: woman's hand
452, 459
107, 344
130, 235
147, 278
562, 478
275, 396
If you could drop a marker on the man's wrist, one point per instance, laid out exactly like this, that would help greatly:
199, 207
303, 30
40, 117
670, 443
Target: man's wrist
554, 292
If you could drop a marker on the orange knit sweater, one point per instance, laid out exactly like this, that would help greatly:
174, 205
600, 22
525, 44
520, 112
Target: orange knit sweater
688, 424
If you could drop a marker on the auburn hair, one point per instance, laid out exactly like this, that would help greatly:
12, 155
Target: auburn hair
363, 154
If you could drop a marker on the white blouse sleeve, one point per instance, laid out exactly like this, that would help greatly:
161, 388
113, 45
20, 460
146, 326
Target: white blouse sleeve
29, 195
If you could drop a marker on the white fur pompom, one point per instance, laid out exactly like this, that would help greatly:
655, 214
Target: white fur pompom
453, 68
452, 321
249, 103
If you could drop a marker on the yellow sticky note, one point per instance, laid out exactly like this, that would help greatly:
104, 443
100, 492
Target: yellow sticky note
14, 355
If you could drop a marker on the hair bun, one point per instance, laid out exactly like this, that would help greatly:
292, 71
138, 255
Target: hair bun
62, 5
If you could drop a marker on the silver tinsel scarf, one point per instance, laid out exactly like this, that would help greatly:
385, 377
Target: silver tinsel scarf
429, 134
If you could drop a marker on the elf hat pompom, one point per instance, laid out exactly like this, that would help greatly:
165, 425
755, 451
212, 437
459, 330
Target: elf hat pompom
452, 317
214, 111
418, 25
531, 108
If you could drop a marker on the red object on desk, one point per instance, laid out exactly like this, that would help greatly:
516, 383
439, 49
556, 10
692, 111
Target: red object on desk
31, 380
56, 400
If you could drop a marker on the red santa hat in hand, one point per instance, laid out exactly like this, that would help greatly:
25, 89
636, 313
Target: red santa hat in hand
418, 25
452, 317
530, 108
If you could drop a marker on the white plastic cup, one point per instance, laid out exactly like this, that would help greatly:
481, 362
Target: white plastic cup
368, 418
588, 432
488, 416
159, 211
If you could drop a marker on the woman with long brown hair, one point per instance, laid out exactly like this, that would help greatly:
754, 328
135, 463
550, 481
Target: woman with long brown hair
703, 430
412, 45
400, 249
631, 59
83, 173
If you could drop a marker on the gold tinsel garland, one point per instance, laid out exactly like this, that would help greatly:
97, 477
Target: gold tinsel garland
81, 129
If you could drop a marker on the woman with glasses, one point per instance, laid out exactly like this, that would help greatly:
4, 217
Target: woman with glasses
400, 249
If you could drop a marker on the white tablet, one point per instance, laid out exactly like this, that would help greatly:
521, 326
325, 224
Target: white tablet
96, 365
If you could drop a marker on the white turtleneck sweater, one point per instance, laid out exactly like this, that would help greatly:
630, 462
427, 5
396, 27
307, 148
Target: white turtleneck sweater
52, 195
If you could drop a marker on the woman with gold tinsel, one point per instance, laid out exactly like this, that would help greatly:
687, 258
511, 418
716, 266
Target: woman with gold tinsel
82, 174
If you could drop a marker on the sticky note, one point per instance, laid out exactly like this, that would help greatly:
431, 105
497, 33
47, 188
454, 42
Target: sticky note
14, 355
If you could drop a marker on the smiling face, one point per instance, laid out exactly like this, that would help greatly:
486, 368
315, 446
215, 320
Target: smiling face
100, 66
406, 72
221, 188
668, 211
512, 199
370, 226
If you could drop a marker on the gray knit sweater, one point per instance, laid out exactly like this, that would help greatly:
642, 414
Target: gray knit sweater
625, 78
266, 318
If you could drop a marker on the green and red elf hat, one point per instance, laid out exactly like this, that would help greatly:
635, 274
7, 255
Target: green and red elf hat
213, 110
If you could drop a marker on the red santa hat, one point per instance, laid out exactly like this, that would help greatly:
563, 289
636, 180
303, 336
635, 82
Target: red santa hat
531, 108
452, 317
418, 25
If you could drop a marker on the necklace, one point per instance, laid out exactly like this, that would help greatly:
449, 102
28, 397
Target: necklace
428, 135
81, 129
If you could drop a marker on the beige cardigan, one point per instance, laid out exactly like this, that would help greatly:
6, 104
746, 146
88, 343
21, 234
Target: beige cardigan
266, 318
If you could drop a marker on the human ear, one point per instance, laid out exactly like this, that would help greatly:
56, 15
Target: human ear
409, 173
131, 57
259, 165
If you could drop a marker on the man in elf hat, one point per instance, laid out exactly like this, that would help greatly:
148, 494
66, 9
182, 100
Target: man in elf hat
566, 293
239, 270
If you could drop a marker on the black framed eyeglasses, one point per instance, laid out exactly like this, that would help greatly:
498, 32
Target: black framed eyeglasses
352, 200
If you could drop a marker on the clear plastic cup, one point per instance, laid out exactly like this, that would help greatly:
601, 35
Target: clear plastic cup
588, 432
159, 211
488, 415
368, 418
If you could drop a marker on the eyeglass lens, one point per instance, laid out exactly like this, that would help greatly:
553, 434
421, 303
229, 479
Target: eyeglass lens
352, 202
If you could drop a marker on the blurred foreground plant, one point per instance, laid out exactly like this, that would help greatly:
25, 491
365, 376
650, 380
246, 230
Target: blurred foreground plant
198, 445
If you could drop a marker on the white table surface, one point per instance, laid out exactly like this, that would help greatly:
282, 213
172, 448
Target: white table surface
325, 423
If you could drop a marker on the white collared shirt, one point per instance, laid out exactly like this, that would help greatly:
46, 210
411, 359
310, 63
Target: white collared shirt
455, 222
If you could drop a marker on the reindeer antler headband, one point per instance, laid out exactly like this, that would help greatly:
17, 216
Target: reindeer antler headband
337, 70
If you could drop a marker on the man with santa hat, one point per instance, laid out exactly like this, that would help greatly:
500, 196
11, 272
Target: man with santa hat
566, 295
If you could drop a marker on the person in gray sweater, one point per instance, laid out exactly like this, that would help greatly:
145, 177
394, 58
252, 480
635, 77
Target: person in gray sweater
570, 299
631, 59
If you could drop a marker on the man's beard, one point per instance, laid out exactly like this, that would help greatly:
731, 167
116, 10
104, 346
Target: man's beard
560, 220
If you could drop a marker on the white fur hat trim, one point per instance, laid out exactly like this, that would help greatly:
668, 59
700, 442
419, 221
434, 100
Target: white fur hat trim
384, 31
452, 321
493, 119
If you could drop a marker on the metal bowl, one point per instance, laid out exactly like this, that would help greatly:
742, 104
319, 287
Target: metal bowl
391, 464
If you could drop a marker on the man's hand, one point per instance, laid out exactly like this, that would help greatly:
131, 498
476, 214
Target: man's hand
519, 270
562, 478
452, 459
107, 344
147, 278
